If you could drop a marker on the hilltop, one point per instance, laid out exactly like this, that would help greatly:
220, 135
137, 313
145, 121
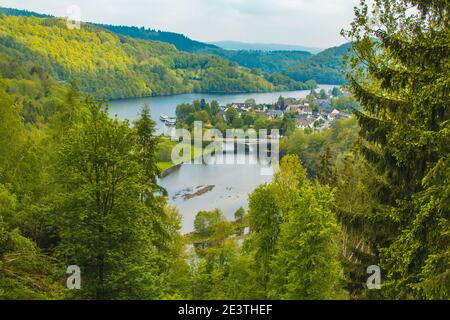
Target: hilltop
324, 67
237, 45
107, 65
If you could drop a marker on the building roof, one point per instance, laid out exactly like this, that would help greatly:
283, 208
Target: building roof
306, 109
335, 111
276, 113
242, 105
304, 123
324, 104
293, 107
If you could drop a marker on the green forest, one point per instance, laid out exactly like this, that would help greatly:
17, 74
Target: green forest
181, 42
105, 65
324, 67
289, 66
78, 187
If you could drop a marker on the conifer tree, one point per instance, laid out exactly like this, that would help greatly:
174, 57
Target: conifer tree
399, 72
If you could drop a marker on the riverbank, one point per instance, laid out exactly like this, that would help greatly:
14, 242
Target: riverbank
167, 167
212, 93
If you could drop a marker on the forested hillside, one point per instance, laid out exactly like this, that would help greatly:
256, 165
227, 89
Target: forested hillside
324, 67
299, 66
45, 132
180, 41
236, 45
273, 61
23, 13
109, 66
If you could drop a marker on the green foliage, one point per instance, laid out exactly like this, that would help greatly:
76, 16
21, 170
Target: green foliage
324, 67
205, 222
231, 115
293, 69
220, 270
106, 65
286, 70
148, 145
306, 264
212, 114
294, 237
103, 168
346, 104
405, 93
264, 221
180, 41
310, 147
25, 272
22, 13
268, 62
71, 181
336, 92
164, 150
78, 187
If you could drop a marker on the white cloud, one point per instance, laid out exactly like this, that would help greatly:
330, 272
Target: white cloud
304, 22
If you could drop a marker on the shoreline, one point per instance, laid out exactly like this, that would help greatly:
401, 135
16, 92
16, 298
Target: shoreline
167, 171
216, 93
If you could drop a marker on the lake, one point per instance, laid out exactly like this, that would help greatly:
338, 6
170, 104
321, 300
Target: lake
130, 108
231, 184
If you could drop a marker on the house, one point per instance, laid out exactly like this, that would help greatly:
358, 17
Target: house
342, 116
321, 118
324, 105
242, 105
321, 123
333, 114
275, 113
305, 123
294, 108
305, 109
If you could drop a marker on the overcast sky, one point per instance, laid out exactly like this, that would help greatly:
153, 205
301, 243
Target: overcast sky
314, 23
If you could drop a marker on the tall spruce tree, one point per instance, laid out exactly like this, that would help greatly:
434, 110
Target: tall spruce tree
399, 72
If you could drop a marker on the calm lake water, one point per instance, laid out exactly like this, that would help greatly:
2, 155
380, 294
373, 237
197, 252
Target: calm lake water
232, 183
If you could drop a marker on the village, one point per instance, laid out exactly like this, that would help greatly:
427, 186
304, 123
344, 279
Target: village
315, 112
